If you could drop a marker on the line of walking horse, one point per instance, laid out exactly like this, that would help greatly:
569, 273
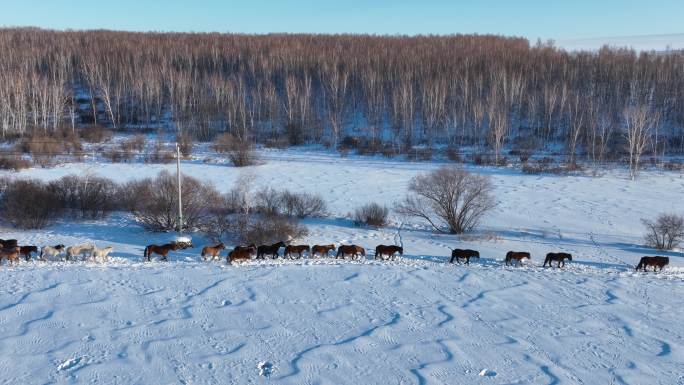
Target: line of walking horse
384, 252
10, 250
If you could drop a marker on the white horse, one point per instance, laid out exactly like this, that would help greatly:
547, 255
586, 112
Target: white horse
102, 254
51, 252
85, 250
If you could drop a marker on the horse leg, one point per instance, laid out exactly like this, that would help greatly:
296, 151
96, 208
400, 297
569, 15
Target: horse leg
468, 261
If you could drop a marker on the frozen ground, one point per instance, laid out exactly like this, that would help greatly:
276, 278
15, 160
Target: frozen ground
413, 321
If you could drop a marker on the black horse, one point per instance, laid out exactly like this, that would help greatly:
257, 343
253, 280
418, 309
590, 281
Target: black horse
269, 250
466, 254
559, 258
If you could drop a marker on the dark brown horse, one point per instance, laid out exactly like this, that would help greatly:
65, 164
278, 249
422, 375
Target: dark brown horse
27, 250
8, 243
291, 251
458, 254
350, 250
656, 262
517, 256
162, 250
252, 248
322, 250
10, 254
270, 250
389, 251
240, 253
559, 258
212, 252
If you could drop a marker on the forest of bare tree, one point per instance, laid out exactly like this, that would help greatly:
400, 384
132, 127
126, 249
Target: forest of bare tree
461, 90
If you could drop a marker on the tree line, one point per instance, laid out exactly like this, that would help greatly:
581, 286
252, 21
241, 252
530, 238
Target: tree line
460, 90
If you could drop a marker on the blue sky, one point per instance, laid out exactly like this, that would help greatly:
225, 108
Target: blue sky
549, 19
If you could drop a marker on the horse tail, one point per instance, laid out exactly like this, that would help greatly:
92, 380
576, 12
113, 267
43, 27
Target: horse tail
146, 253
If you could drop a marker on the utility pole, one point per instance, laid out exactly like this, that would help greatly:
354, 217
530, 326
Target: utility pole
180, 203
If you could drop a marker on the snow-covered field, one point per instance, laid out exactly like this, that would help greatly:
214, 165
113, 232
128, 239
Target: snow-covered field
413, 321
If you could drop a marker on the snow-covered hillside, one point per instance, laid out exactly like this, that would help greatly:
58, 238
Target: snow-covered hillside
413, 321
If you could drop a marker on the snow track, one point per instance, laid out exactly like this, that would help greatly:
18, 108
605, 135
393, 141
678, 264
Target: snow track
416, 320
329, 321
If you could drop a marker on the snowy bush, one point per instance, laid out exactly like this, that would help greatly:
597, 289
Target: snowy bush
450, 199
160, 154
154, 202
666, 232
185, 143
13, 162
302, 205
29, 204
96, 133
85, 196
271, 229
136, 143
251, 218
269, 201
371, 214
240, 151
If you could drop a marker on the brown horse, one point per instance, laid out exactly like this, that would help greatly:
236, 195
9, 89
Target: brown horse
466, 254
240, 253
270, 250
8, 243
518, 256
27, 250
162, 250
321, 250
209, 253
656, 262
559, 258
389, 251
350, 250
11, 254
291, 251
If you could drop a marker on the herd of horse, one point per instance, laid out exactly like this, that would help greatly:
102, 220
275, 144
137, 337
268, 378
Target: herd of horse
12, 252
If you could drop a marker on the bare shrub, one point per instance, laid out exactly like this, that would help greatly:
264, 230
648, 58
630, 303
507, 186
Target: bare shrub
117, 156
155, 202
673, 166
186, 143
85, 196
302, 205
450, 199
96, 133
269, 229
279, 142
269, 201
232, 214
421, 154
240, 151
454, 155
29, 204
389, 151
160, 154
134, 144
666, 232
13, 162
371, 214
350, 143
